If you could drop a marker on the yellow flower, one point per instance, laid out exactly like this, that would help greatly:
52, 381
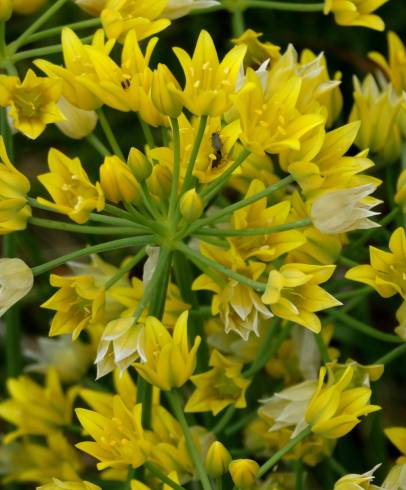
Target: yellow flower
78, 303
270, 120
78, 67
139, 164
343, 210
400, 197
35, 409
395, 67
28, 461
357, 482
397, 436
335, 407
356, 13
239, 306
386, 274
32, 102
243, 473
264, 247
120, 16
217, 460
70, 188
78, 123
117, 181
118, 440
27, 7
293, 293
209, 83
257, 51
168, 362
380, 134
69, 485
221, 386
16, 281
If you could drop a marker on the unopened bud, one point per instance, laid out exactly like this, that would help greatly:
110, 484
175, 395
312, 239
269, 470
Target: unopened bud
217, 460
27, 7
191, 205
6, 9
160, 181
165, 92
243, 473
92, 7
139, 164
117, 181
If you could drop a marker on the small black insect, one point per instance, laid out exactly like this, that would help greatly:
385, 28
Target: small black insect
217, 145
125, 84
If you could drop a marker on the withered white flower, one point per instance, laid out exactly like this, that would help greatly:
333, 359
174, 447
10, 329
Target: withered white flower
178, 8
16, 281
78, 123
344, 210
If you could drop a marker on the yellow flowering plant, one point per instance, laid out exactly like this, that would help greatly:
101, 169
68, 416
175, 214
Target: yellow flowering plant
179, 288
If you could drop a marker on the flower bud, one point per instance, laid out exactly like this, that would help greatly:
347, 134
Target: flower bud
165, 92
92, 7
139, 164
16, 281
159, 182
243, 472
217, 460
27, 7
6, 9
117, 181
78, 123
191, 205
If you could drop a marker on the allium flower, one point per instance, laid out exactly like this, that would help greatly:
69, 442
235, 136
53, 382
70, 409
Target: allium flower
343, 210
92, 7
356, 13
78, 123
69, 485
178, 8
32, 102
357, 482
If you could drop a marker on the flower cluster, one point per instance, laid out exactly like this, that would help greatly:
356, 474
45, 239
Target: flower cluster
199, 331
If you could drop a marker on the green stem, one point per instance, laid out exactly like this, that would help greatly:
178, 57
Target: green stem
93, 230
195, 151
237, 22
98, 145
34, 53
355, 292
49, 12
219, 483
241, 204
104, 123
364, 328
214, 187
54, 31
346, 262
258, 286
299, 474
255, 231
149, 137
225, 419
322, 348
292, 7
337, 467
165, 479
392, 355
243, 421
279, 454
174, 402
101, 247
125, 268
176, 168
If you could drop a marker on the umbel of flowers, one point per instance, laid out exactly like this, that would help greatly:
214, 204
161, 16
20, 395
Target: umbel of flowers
215, 323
